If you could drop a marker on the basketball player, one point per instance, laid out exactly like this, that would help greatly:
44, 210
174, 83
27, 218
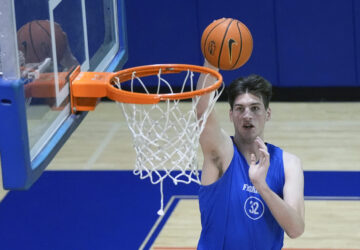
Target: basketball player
251, 191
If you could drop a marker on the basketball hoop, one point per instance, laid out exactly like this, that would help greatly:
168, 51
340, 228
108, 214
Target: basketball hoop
162, 117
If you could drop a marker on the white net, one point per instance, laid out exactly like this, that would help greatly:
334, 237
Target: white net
166, 135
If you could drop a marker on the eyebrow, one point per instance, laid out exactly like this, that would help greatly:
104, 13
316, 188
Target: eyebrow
251, 104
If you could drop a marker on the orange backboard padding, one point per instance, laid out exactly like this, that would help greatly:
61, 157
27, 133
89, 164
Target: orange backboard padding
86, 87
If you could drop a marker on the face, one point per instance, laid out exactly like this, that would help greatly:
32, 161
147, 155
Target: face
249, 117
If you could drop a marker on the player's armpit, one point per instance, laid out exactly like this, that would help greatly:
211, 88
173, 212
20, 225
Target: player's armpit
218, 150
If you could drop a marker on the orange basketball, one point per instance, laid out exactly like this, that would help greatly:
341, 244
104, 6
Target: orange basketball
226, 43
34, 41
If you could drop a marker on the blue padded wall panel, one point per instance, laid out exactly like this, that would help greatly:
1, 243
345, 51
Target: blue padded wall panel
162, 31
356, 30
316, 43
296, 43
258, 16
39, 10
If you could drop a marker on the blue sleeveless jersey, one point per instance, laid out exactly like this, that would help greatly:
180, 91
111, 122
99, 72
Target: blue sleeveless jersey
233, 214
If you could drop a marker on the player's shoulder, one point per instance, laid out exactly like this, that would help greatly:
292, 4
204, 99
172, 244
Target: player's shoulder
291, 161
290, 156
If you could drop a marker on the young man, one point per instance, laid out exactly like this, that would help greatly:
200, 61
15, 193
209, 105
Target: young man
251, 191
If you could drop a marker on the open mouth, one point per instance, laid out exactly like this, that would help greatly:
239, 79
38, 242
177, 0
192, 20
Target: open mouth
248, 126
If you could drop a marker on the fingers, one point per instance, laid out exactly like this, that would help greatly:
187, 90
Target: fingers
209, 65
264, 156
260, 143
252, 159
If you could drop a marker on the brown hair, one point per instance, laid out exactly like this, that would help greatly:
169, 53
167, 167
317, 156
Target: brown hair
253, 84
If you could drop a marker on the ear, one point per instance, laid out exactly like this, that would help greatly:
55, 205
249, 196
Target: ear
230, 115
268, 114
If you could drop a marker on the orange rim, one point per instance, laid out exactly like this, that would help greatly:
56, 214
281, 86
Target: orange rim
87, 87
143, 71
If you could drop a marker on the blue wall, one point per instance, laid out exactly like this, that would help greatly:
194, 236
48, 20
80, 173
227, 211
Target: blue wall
296, 43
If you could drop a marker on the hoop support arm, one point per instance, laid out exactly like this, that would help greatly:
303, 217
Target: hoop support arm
86, 88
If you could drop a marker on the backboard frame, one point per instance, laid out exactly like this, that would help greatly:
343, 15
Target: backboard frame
19, 169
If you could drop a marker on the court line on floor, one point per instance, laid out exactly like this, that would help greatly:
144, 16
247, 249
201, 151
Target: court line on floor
331, 198
156, 228
194, 248
2, 196
170, 207
100, 149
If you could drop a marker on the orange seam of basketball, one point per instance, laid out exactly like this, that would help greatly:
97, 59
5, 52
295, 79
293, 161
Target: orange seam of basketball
222, 43
241, 45
205, 42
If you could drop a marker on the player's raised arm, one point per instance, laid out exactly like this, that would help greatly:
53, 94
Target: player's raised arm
216, 145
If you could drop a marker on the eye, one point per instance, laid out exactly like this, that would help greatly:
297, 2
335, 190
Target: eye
255, 108
239, 108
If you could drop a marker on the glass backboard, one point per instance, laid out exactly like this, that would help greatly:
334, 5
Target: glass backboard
41, 42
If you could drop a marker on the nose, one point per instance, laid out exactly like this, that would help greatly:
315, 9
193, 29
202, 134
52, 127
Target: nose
247, 114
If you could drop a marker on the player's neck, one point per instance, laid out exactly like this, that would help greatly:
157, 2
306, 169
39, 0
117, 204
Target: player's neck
246, 147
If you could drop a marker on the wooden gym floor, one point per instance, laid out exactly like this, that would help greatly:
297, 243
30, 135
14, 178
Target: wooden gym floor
326, 136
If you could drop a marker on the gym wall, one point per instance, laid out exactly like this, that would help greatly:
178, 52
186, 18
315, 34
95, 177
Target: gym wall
298, 43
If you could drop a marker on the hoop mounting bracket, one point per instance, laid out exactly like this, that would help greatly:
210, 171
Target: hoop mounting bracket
87, 88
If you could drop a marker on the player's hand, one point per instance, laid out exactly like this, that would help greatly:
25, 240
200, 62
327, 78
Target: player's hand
258, 169
209, 65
